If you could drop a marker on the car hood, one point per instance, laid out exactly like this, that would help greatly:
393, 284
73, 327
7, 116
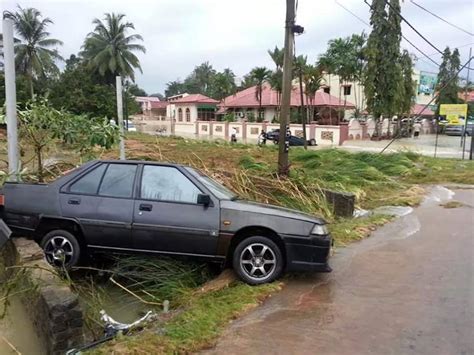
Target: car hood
261, 208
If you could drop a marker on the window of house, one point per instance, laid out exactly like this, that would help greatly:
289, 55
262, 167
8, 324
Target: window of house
89, 183
166, 183
118, 180
188, 114
347, 90
180, 115
206, 114
327, 89
261, 114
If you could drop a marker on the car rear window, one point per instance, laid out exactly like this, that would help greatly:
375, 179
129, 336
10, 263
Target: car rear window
89, 183
118, 180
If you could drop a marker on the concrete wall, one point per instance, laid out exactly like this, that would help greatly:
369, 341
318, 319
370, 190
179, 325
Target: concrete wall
54, 309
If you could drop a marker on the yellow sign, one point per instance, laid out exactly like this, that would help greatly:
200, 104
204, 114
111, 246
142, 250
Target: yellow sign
453, 119
453, 109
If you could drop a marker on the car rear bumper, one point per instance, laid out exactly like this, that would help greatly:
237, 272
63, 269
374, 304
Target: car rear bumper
308, 253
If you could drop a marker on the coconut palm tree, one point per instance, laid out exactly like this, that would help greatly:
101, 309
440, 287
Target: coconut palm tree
277, 56
260, 75
35, 51
312, 78
109, 49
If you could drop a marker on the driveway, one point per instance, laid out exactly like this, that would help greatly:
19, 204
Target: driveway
408, 289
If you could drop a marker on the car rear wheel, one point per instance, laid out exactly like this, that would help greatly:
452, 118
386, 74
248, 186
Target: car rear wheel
61, 249
312, 142
258, 260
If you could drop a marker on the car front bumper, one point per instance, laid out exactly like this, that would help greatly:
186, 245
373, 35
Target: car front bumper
308, 253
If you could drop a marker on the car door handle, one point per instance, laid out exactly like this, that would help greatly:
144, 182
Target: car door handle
74, 201
145, 207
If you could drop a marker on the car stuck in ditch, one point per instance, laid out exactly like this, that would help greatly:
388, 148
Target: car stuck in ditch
164, 209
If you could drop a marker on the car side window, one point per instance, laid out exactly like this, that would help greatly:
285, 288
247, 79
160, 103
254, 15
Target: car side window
118, 180
166, 183
89, 183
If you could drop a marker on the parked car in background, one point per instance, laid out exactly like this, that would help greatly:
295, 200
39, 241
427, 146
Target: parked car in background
164, 209
297, 141
129, 126
274, 135
458, 130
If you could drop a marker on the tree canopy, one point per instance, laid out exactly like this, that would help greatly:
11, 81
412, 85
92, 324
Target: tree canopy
35, 51
109, 49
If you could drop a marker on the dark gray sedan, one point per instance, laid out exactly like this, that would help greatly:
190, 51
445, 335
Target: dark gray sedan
165, 209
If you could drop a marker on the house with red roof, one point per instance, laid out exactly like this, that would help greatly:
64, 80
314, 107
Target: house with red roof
151, 106
245, 106
192, 108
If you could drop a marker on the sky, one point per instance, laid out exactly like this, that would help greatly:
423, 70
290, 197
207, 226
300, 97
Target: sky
236, 34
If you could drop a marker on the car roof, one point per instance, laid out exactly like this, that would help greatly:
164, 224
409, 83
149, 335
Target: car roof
147, 162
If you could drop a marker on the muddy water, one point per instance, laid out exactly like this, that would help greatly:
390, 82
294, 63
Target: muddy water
409, 289
17, 329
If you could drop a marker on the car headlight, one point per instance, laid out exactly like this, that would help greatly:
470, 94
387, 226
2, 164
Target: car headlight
320, 229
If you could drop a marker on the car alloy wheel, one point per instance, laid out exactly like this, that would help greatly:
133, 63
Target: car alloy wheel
59, 251
258, 261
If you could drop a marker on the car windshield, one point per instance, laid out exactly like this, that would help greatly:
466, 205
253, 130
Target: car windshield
218, 190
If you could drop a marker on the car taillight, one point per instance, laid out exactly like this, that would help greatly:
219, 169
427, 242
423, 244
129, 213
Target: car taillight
2, 200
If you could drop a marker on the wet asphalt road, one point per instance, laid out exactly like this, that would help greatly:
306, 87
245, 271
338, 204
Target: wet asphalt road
408, 289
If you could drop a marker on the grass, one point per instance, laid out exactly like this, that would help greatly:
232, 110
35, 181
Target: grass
345, 231
376, 180
452, 204
198, 326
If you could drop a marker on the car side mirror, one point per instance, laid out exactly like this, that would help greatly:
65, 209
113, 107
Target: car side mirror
204, 200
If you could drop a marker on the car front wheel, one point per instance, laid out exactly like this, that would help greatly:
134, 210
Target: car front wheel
258, 260
61, 249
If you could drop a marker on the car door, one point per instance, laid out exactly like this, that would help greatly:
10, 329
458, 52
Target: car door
102, 201
167, 217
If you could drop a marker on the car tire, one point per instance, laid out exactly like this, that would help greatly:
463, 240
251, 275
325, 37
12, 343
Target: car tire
258, 260
61, 249
312, 142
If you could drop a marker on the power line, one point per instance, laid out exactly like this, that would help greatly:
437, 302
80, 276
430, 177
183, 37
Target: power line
461, 46
353, 14
404, 37
442, 19
433, 99
411, 26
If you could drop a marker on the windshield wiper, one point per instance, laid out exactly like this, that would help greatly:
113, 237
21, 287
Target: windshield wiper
235, 198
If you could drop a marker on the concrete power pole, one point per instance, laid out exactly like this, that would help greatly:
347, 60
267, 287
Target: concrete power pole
10, 99
118, 82
283, 168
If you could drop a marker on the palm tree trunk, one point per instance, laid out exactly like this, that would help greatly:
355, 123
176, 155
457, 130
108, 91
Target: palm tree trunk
355, 99
30, 81
330, 111
339, 111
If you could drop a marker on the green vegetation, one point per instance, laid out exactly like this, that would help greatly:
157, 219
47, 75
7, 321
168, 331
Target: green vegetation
198, 325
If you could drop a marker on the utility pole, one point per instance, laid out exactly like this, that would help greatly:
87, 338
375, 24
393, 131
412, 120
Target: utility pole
10, 100
118, 81
463, 135
283, 168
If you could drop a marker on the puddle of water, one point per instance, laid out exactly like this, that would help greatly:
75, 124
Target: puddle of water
398, 211
17, 328
122, 306
438, 194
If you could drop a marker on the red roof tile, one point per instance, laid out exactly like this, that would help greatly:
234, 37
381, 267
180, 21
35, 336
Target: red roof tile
195, 99
246, 98
421, 110
159, 104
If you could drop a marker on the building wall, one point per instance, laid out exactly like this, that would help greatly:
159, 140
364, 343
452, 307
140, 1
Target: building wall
357, 96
